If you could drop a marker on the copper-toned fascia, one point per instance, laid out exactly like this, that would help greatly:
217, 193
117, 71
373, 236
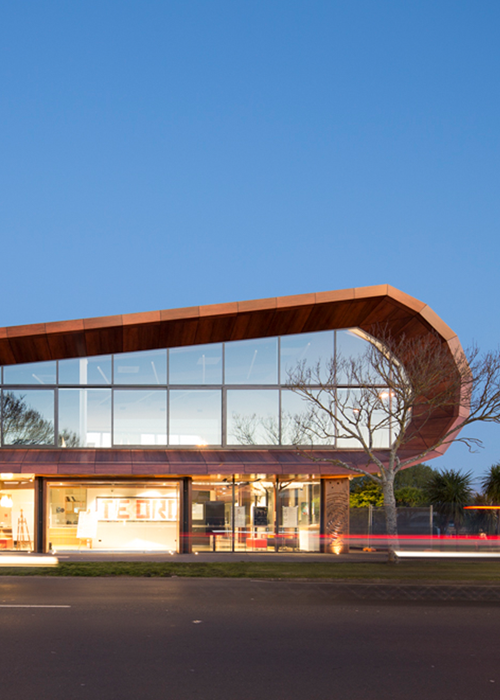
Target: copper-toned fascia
362, 307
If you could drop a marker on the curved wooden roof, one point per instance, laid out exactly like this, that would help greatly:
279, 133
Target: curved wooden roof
363, 307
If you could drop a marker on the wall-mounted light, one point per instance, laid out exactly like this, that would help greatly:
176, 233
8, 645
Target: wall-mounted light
6, 501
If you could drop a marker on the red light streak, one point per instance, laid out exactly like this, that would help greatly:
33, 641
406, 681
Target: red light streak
481, 507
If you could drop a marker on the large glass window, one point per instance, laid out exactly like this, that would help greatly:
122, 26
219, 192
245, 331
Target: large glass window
299, 515
200, 364
32, 373
85, 417
28, 417
233, 514
233, 393
252, 417
17, 509
351, 348
302, 423
357, 411
252, 361
195, 417
119, 516
86, 370
141, 367
311, 352
212, 514
140, 417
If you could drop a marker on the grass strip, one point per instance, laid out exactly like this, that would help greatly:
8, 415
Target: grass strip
487, 572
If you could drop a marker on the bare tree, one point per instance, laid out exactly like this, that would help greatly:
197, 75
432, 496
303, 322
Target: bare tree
381, 402
24, 425
251, 429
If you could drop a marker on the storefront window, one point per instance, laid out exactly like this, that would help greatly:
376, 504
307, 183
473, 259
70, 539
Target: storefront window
299, 516
17, 507
114, 517
255, 505
212, 515
239, 514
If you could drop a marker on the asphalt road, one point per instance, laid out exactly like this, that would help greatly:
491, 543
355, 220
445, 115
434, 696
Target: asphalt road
175, 639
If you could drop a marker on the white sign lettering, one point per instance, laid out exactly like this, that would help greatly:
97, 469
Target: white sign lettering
136, 509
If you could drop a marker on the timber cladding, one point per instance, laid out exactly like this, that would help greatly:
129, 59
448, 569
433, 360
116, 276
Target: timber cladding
335, 515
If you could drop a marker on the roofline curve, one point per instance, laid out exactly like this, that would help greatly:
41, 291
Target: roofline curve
363, 307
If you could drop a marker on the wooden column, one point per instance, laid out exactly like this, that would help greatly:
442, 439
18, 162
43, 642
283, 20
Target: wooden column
335, 515
40, 544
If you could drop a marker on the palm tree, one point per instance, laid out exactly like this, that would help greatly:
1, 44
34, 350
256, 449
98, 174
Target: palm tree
491, 488
449, 491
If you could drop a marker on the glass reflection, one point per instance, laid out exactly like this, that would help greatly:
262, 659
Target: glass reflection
233, 516
212, 515
195, 417
28, 417
85, 417
148, 367
356, 410
311, 352
299, 516
252, 417
86, 370
32, 373
351, 347
17, 507
252, 361
140, 417
201, 364
301, 424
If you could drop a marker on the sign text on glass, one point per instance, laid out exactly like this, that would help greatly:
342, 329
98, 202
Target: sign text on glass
137, 509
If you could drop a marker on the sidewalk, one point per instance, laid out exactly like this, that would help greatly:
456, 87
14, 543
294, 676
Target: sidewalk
228, 557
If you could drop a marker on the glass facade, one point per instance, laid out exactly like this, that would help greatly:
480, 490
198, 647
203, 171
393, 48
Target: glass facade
233, 394
261, 513
128, 516
140, 417
84, 418
17, 509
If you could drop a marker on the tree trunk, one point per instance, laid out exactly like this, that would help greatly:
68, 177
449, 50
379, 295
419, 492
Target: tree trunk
391, 518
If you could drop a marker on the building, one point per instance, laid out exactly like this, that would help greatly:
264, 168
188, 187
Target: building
170, 430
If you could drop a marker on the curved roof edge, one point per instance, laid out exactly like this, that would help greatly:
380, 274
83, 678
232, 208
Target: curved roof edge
361, 306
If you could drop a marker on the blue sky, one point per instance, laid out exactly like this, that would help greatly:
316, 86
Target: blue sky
156, 154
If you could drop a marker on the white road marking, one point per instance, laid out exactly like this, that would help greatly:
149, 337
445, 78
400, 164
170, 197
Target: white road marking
35, 606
